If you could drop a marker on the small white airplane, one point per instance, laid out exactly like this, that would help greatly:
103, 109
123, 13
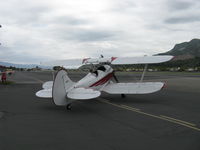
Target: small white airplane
64, 91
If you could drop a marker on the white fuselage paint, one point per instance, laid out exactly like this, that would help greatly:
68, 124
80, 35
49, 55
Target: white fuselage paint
96, 81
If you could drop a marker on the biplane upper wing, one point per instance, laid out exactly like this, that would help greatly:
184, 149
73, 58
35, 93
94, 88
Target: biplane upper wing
140, 60
76, 63
133, 88
67, 63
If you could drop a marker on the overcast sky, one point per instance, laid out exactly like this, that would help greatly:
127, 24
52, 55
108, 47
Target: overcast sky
37, 30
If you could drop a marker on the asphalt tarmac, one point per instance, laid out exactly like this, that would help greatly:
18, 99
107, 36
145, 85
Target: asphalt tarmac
168, 119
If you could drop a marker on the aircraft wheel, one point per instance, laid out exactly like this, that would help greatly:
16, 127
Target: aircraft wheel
123, 95
69, 107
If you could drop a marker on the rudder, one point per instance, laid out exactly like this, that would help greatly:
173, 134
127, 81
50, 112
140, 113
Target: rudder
62, 83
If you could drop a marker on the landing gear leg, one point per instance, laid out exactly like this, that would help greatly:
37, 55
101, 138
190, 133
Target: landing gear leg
69, 106
123, 95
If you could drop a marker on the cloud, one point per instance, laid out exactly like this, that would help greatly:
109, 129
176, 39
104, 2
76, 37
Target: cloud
182, 19
93, 35
123, 6
10, 54
182, 12
33, 31
69, 20
20, 12
85, 35
179, 5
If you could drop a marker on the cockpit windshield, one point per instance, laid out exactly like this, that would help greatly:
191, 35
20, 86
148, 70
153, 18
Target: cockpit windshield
96, 73
102, 68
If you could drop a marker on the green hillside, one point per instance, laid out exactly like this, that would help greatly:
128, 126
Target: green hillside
191, 48
187, 55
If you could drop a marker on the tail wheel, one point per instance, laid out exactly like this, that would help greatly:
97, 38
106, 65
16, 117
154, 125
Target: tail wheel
123, 95
69, 107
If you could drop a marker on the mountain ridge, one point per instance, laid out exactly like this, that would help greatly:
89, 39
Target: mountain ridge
28, 66
185, 50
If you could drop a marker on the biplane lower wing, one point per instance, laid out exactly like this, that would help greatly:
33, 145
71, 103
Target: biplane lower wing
133, 88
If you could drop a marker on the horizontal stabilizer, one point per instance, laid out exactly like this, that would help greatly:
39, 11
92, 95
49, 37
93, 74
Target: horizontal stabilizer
47, 85
45, 93
82, 93
141, 60
133, 88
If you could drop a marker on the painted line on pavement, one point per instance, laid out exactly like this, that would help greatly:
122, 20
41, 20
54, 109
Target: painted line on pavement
185, 122
161, 117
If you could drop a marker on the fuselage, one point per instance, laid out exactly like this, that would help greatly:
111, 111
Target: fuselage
97, 79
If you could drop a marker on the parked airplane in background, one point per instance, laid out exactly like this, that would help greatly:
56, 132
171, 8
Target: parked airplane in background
64, 91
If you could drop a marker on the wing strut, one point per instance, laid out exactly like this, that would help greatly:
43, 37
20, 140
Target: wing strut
145, 69
114, 76
117, 81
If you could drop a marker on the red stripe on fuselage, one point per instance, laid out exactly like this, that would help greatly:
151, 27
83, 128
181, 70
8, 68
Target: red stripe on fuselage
103, 80
84, 60
113, 58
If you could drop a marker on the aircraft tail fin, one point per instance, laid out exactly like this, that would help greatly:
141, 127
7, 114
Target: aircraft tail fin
62, 83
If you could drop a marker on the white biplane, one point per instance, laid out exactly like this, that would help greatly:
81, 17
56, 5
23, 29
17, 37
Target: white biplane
64, 91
